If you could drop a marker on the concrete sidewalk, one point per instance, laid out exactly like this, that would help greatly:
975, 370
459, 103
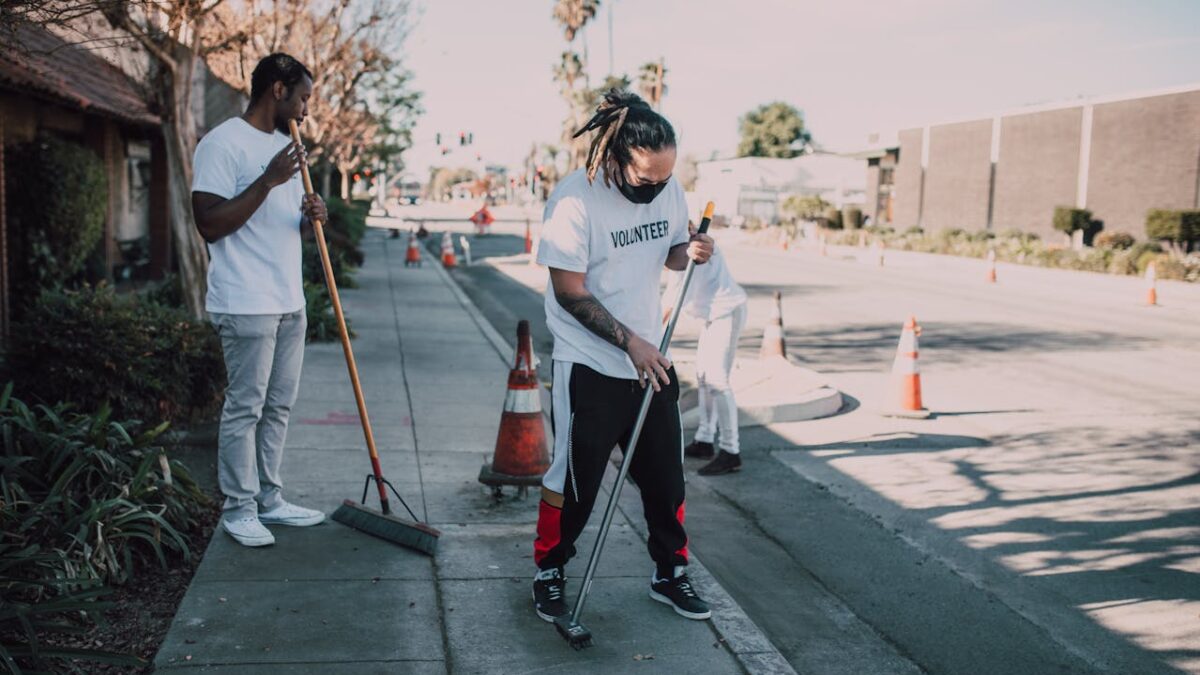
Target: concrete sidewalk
329, 599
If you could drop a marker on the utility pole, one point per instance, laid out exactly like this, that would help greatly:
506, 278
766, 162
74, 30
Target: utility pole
658, 84
611, 7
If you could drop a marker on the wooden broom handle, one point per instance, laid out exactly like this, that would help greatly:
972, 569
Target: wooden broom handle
341, 319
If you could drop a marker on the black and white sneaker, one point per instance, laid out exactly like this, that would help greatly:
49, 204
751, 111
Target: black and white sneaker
550, 594
678, 593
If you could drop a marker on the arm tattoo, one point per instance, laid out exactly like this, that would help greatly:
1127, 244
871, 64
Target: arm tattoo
588, 311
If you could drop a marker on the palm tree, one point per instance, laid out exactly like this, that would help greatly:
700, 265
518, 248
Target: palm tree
651, 82
574, 15
567, 71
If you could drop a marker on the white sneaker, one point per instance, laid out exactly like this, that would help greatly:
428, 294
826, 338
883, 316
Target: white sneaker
248, 531
290, 514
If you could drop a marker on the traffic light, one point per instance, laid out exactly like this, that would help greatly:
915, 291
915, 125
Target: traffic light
438, 138
462, 138
471, 138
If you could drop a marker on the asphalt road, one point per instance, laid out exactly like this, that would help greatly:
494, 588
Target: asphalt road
1045, 520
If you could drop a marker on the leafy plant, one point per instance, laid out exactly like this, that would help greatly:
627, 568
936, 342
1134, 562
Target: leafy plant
1115, 240
322, 323
809, 207
91, 346
85, 501
1177, 227
833, 218
57, 195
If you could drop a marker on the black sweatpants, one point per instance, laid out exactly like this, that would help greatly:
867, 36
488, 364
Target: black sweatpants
602, 413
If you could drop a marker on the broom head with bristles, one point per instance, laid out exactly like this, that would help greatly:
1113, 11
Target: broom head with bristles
417, 536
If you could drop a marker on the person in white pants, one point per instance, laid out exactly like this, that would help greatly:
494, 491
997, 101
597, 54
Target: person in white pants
717, 300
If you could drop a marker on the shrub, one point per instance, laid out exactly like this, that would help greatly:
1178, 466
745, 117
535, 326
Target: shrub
852, 218
349, 219
148, 361
1115, 240
84, 501
57, 199
809, 207
1178, 227
914, 231
1068, 220
314, 271
318, 307
833, 218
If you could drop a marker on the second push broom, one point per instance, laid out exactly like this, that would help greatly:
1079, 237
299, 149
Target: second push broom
575, 633
383, 524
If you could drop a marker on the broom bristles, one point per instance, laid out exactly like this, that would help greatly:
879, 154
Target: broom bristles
417, 536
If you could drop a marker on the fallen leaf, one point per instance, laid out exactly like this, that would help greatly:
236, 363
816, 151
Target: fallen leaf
222, 600
188, 657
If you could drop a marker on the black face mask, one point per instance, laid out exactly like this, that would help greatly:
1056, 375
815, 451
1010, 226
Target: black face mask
640, 194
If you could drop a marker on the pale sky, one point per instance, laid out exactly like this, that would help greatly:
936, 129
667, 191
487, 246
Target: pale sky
852, 66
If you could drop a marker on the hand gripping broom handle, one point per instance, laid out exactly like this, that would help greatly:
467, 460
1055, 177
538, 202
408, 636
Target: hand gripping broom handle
341, 322
611, 508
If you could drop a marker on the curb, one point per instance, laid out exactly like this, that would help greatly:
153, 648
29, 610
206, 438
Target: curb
743, 638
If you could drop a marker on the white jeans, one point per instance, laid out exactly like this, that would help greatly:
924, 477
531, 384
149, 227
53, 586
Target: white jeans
263, 357
714, 361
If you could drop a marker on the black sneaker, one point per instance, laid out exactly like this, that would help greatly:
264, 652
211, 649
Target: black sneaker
678, 593
550, 594
726, 462
699, 449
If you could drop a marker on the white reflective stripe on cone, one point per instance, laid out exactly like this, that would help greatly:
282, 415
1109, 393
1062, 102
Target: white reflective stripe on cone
523, 401
905, 365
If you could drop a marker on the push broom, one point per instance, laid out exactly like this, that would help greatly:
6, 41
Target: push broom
575, 633
413, 534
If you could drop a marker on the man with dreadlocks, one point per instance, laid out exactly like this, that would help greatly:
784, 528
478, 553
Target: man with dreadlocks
609, 230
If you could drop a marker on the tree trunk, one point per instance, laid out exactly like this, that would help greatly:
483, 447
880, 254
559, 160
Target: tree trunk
174, 87
344, 171
326, 179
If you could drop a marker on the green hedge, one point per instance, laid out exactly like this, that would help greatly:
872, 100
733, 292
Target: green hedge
1176, 226
148, 361
833, 218
57, 196
852, 218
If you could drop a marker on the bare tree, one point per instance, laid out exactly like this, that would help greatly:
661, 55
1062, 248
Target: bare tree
172, 34
360, 96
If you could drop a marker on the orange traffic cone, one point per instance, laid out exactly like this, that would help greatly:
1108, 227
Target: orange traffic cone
448, 257
991, 274
772, 343
906, 376
1151, 285
412, 256
521, 456
783, 243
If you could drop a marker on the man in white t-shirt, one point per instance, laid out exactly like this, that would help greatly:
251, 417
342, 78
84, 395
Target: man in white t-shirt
717, 300
249, 205
609, 230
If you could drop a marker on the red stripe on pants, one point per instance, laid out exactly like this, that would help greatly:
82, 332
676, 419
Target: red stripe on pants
679, 515
549, 530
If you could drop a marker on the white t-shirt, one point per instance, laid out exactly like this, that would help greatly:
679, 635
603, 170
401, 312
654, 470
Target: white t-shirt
712, 294
621, 248
255, 270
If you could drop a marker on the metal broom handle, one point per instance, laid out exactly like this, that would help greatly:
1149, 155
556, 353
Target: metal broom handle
609, 510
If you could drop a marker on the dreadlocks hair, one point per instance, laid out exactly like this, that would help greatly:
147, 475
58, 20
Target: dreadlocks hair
624, 121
